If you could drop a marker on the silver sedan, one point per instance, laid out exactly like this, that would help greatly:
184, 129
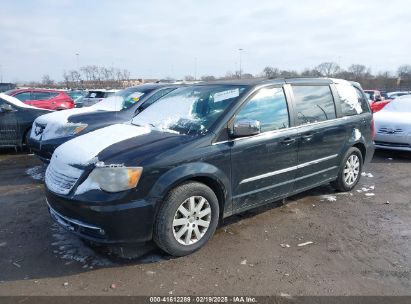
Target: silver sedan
393, 125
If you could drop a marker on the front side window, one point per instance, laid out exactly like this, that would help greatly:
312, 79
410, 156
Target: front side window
314, 103
23, 96
190, 110
269, 107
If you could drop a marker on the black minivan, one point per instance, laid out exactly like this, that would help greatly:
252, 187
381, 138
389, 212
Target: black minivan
205, 152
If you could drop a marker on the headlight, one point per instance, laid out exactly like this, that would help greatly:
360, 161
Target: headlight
70, 129
111, 179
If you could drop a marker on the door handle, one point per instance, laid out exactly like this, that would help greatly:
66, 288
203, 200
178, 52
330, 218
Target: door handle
288, 141
307, 136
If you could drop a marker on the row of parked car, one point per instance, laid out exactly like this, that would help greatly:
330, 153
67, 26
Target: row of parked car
168, 162
58, 100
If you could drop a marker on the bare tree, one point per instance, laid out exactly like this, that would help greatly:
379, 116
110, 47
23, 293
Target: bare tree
359, 72
404, 71
47, 81
328, 69
189, 78
207, 78
271, 72
311, 73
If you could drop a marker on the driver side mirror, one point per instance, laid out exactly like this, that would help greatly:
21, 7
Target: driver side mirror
246, 128
6, 108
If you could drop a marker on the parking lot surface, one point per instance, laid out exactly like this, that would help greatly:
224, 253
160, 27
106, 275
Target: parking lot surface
360, 244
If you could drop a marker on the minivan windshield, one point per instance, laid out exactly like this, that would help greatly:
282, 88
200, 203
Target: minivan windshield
190, 110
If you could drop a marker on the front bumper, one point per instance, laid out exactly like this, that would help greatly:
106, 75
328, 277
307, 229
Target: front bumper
44, 149
393, 142
104, 222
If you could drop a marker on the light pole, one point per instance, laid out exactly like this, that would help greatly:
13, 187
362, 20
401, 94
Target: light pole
77, 60
240, 52
195, 68
1, 73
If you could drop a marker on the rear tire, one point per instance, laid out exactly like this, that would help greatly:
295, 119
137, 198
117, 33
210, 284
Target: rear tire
187, 219
350, 170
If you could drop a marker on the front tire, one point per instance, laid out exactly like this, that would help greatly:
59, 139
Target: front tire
187, 219
350, 170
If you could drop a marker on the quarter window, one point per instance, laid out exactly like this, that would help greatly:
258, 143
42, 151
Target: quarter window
269, 107
352, 101
313, 104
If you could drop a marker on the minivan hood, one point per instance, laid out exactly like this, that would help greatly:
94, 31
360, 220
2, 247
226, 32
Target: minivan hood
84, 149
61, 117
110, 144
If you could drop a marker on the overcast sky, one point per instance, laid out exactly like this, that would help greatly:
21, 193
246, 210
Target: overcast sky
163, 38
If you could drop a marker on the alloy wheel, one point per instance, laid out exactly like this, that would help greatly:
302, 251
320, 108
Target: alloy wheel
191, 220
351, 169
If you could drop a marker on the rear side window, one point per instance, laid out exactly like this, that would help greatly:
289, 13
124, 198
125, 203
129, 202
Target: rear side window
269, 107
313, 104
43, 95
352, 101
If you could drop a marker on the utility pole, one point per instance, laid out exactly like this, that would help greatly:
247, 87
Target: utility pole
195, 68
240, 52
77, 60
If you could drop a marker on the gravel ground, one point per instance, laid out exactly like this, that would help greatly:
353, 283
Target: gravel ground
360, 244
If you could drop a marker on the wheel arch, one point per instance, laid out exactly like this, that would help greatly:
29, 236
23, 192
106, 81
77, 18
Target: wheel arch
204, 173
360, 146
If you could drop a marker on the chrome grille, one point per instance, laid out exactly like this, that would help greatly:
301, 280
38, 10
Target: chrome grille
61, 179
390, 131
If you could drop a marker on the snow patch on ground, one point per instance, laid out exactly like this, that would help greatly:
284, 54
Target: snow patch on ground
328, 197
71, 249
367, 174
37, 172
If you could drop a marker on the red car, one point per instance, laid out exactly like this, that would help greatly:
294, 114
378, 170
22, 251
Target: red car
377, 102
45, 99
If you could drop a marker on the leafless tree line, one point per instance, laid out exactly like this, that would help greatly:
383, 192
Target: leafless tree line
355, 72
93, 76
96, 77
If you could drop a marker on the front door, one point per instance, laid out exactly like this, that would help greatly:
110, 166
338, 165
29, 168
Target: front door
321, 136
264, 165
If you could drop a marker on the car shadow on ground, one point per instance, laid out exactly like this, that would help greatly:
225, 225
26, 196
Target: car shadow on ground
382, 156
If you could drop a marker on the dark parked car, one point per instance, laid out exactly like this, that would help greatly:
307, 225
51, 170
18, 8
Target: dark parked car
205, 152
52, 130
45, 99
16, 119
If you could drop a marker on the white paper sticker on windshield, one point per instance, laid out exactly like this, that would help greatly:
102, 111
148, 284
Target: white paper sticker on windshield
220, 96
136, 95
